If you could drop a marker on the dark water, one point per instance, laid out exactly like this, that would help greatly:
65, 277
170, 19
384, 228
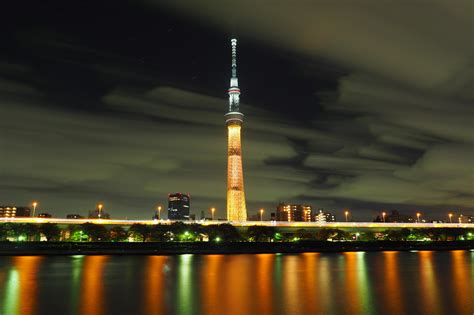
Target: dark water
422, 282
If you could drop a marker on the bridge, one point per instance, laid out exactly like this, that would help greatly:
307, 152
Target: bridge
374, 226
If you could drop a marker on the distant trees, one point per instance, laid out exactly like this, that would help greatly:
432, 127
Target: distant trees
185, 232
223, 232
139, 232
258, 233
398, 235
4, 229
95, 232
51, 231
326, 234
118, 234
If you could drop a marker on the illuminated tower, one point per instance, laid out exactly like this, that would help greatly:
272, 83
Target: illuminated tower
236, 209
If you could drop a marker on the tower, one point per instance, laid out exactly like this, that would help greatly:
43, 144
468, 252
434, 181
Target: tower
236, 209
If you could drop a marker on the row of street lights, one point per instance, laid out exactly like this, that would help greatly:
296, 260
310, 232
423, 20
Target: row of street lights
213, 210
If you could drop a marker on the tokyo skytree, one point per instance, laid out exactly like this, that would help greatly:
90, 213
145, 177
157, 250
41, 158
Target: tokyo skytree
236, 209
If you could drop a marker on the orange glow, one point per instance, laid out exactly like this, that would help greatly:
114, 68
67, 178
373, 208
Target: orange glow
430, 302
211, 285
240, 286
236, 208
325, 285
27, 267
92, 286
461, 273
310, 282
291, 285
264, 283
352, 295
393, 290
154, 280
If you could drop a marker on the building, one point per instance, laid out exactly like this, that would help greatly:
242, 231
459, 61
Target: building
14, 212
465, 218
323, 217
236, 207
290, 213
178, 206
74, 216
396, 217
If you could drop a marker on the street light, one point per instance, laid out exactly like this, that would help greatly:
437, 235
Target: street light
383, 216
450, 218
346, 214
100, 206
261, 215
418, 216
159, 212
34, 207
212, 213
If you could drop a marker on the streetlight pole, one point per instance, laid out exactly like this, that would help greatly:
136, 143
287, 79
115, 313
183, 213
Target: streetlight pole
212, 213
34, 208
418, 217
261, 215
100, 206
450, 218
383, 216
346, 213
159, 212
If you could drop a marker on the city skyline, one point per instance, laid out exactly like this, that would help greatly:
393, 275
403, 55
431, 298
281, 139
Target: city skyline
125, 114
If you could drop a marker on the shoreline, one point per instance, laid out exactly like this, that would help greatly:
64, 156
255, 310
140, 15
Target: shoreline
204, 248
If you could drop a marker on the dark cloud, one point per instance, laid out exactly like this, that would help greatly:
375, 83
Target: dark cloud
348, 104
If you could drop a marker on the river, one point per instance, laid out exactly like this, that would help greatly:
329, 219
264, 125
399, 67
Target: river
423, 282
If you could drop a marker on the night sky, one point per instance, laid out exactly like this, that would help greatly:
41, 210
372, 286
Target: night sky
366, 105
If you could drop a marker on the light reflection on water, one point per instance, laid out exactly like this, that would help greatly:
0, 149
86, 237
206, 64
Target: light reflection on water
423, 282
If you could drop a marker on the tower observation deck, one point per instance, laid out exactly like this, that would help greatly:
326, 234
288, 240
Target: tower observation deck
236, 208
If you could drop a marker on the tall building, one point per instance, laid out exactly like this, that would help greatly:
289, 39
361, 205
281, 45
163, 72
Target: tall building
14, 212
396, 217
323, 217
178, 206
290, 213
236, 209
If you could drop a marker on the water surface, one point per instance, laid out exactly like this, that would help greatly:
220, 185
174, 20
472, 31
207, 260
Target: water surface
424, 282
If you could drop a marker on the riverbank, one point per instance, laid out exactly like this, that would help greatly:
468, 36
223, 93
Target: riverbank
172, 248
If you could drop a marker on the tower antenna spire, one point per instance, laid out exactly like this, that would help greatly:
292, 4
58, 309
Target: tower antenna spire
233, 43
234, 91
